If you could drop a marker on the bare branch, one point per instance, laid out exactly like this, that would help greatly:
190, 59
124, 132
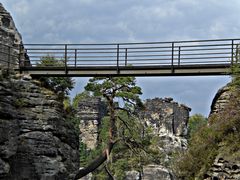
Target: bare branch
109, 173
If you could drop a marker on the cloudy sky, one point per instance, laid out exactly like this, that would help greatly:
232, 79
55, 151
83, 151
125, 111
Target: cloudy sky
113, 21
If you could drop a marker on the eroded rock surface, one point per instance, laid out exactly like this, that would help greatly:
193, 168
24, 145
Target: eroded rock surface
226, 164
169, 120
36, 142
220, 100
9, 36
223, 169
90, 112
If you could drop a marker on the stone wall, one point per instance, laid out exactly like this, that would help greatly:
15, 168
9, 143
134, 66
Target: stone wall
36, 142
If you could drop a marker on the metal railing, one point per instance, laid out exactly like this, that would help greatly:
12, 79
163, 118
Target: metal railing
120, 55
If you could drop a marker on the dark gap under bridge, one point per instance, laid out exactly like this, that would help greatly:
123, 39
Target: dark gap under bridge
177, 58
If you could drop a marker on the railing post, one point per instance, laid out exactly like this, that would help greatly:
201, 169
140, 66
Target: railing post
179, 55
172, 63
232, 54
117, 58
126, 52
65, 58
75, 57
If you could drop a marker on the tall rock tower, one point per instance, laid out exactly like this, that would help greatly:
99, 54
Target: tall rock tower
90, 112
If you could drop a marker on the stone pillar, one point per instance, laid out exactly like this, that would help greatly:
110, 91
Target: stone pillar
169, 120
90, 112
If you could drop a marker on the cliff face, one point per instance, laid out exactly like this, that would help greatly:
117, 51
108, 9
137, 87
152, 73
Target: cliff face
36, 142
227, 163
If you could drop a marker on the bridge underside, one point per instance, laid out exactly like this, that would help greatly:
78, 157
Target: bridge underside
183, 70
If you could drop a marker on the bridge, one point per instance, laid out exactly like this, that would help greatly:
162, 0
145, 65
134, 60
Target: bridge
177, 58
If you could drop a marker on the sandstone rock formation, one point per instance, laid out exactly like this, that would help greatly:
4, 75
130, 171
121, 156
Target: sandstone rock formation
90, 112
225, 166
9, 36
223, 169
36, 142
169, 120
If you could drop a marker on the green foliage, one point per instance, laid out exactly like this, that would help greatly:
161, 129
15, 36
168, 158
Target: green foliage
79, 97
116, 87
196, 121
50, 61
60, 85
67, 104
84, 153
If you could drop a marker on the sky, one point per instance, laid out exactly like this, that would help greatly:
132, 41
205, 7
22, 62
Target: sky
116, 21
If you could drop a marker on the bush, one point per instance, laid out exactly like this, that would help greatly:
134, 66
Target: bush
196, 121
60, 85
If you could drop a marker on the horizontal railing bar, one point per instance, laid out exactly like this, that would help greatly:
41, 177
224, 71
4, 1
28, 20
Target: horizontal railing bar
206, 45
122, 51
206, 49
197, 54
227, 57
147, 55
163, 42
206, 62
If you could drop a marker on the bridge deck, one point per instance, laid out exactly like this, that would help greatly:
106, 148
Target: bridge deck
184, 70
201, 57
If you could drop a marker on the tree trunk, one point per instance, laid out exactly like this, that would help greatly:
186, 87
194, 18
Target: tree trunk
96, 162
105, 154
